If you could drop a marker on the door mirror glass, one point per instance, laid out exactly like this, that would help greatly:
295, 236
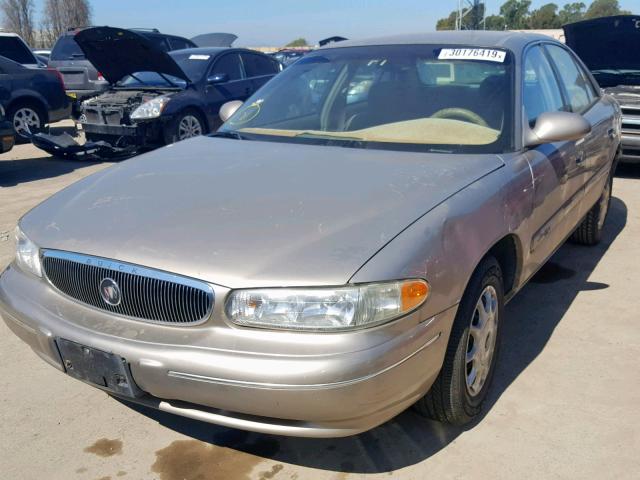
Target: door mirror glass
217, 78
557, 127
229, 109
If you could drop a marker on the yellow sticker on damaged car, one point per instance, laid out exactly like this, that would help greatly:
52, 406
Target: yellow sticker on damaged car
472, 54
72, 95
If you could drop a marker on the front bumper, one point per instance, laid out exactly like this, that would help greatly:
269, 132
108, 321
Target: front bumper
300, 384
143, 134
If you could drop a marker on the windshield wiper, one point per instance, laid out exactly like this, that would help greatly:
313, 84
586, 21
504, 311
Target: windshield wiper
229, 134
328, 136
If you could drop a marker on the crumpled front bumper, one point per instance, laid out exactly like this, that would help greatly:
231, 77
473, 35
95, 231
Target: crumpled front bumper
315, 385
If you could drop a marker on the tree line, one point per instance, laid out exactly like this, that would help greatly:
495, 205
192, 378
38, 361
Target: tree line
517, 15
19, 16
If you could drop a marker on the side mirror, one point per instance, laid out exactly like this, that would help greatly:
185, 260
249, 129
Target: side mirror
217, 78
557, 127
228, 109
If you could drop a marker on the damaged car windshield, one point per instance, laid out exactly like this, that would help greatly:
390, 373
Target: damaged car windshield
446, 98
193, 65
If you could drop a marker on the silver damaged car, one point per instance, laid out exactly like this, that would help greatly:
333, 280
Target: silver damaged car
340, 250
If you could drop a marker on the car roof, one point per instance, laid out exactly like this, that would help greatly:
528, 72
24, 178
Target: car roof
514, 41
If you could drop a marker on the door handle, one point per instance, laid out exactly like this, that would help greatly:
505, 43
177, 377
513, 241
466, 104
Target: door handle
580, 159
611, 133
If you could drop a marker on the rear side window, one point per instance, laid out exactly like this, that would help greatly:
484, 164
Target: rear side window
573, 79
15, 49
66, 48
177, 43
229, 64
541, 91
258, 65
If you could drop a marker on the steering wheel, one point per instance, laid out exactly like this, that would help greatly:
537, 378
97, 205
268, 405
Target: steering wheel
460, 114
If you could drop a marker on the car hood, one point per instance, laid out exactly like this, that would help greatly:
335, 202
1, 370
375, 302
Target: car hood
607, 42
244, 213
117, 52
626, 95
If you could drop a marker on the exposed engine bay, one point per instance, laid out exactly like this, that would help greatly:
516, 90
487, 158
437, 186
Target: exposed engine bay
114, 107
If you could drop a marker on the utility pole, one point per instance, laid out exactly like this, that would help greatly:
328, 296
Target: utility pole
465, 7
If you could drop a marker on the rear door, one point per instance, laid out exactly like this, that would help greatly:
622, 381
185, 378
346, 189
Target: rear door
259, 68
597, 149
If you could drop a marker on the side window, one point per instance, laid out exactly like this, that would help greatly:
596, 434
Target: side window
178, 43
573, 79
229, 64
257, 65
541, 92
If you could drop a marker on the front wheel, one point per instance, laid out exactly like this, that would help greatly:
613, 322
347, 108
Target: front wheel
457, 395
187, 124
27, 119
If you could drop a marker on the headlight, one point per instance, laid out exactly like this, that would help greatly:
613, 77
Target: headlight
151, 109
328, 309
27, 254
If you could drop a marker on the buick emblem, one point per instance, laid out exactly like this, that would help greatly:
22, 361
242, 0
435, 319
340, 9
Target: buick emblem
110, 292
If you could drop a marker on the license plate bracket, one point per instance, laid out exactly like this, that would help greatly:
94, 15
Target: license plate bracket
101, 369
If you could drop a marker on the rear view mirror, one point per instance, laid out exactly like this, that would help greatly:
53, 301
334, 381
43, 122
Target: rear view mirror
218, 78
229, 109
557, 127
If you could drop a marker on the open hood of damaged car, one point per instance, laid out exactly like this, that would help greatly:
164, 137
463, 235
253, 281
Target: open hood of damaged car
606, 42
117, 52
245, 213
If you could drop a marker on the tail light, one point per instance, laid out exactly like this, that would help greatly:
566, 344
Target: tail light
59, 75
100, 77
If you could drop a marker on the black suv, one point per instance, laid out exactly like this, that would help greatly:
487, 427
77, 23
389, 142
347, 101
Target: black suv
81, 78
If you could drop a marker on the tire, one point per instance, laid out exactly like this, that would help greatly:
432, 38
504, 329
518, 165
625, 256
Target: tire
186, 124
456, 397
24, 114
589, 232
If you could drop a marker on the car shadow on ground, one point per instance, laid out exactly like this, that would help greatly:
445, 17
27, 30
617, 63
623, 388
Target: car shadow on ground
409, 438
23, 170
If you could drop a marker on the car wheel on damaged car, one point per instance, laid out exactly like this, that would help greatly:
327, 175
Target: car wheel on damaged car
340, 250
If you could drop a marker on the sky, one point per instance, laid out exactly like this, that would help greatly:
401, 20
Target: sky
276, 22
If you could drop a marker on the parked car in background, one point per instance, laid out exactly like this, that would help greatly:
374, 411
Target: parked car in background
81, 78
42, 52
14, 48
287, 57
609, 46
157, 97
320, 264
7, 136
31, 97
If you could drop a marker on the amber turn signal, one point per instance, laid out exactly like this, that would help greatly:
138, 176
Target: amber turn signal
413, 293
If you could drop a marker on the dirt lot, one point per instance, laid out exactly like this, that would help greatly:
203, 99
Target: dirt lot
564, 403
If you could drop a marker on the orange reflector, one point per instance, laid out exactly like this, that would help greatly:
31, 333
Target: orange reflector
413, 293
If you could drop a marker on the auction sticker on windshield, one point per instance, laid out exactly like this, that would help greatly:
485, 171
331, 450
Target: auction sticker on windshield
472, 54
199, 57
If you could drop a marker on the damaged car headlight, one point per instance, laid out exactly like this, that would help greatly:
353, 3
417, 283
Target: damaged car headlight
150, 109
327, 309
27, 254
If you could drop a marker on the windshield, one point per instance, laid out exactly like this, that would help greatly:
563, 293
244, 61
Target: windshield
66, 48
405, 97
193, 65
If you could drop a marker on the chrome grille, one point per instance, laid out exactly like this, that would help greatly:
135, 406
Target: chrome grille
630, 120
145, 294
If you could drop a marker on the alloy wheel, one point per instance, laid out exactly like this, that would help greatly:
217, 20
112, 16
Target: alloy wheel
25, 121
189, 127
481, 342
